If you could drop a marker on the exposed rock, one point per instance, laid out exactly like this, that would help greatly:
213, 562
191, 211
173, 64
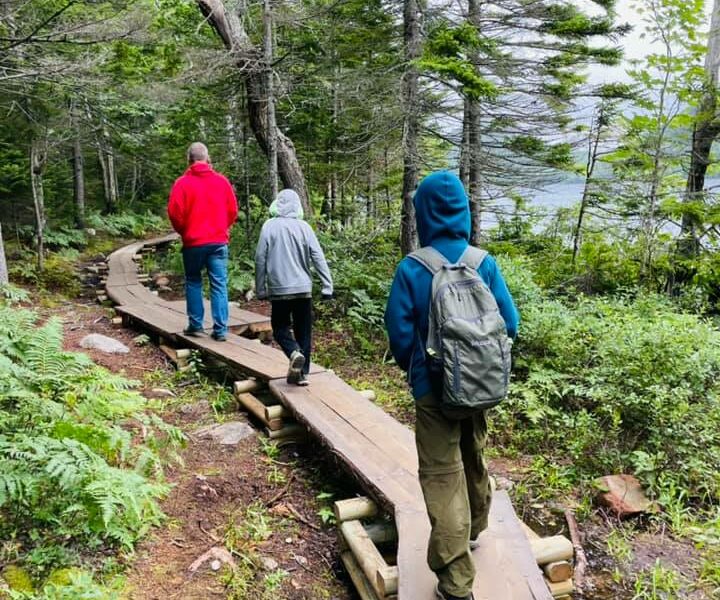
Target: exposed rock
227, 434
164, 288
221, 555
141, 339
96, 341
269, 564
195, 409
623, 495
162, 280
160, 393
215, 565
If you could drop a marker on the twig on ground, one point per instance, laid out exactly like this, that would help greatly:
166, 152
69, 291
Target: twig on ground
213, 537
300, 518
282, 492
580, 559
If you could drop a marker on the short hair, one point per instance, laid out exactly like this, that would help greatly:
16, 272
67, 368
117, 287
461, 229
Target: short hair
197, 152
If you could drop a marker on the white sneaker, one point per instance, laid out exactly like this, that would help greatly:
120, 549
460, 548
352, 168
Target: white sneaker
297, 362
476, 543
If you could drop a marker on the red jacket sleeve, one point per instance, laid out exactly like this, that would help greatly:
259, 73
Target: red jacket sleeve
176, 208
232, 206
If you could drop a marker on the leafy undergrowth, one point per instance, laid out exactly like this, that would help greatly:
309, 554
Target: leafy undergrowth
77, 484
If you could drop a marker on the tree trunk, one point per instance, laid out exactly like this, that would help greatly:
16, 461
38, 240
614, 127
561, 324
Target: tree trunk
707, 128
249, 61
106, 159
4, 280
474, 171
474, 166
113, 195
592, 155
271, 124
38, 155
78, 169
411, 130
465, 149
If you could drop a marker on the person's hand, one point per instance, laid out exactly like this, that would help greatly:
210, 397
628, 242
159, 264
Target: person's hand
326, 297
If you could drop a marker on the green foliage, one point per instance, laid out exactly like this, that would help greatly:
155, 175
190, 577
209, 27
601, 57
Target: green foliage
449, 51
617, 383
70, 473
127, 224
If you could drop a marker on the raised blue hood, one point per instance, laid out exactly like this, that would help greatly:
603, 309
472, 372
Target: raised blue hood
442, 209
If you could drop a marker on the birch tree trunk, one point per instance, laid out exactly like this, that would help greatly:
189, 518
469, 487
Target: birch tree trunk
248, 60
271, 123
4, 280
706, 130
38, 155
78, 162
411, 130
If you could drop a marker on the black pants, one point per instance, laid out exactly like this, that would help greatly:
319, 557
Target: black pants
295, 313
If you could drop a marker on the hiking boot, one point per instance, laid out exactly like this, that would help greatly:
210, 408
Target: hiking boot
193, 332
445, 596
218, 337
475, 542
303, 381
297, 362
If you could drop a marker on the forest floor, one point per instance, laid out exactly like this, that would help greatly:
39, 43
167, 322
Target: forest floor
269, 506
262, 502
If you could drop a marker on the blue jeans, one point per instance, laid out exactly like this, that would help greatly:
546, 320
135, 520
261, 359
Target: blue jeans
213, 257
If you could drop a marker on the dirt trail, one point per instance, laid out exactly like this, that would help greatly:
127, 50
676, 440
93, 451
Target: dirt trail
251, 498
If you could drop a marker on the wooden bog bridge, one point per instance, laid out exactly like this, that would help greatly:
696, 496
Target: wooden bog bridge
373, 446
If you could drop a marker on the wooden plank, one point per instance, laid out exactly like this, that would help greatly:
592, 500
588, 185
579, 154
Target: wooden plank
155, 317
131, 295
366, 458
264, 362
238, 320
362, 585
504, 549
369, 420
382, 578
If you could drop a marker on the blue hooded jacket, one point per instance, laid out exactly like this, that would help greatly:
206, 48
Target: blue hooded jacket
443, 222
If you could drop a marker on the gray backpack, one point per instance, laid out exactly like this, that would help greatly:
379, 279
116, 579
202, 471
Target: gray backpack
467, 338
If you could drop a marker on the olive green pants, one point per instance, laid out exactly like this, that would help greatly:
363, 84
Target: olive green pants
456, 487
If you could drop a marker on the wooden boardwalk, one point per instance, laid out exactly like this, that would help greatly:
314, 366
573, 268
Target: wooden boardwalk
374, 447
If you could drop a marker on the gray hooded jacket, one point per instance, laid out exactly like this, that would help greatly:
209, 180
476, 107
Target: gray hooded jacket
286, 249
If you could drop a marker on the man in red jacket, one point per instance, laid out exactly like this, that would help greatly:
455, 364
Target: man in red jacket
202, 209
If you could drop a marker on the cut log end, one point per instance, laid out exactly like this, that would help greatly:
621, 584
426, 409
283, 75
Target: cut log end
355, 509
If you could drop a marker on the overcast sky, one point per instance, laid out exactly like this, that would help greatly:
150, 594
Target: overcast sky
634, 46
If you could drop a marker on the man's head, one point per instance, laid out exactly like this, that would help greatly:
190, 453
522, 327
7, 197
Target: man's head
197, 152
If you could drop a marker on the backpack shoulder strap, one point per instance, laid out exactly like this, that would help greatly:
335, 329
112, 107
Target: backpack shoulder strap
429, 258
473, 257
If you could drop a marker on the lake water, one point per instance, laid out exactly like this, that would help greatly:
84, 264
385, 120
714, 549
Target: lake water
559, 195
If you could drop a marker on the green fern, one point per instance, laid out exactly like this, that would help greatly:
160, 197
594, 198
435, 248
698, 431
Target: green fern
69, 467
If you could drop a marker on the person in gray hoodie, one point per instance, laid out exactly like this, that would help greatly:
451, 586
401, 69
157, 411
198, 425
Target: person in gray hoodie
285, 252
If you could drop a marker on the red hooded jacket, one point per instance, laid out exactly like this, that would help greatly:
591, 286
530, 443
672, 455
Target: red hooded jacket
202, 206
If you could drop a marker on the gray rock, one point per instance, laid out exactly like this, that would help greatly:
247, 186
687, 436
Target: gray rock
162, 280
269, 564
215, 565
160, 393
96, 341
227, 434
